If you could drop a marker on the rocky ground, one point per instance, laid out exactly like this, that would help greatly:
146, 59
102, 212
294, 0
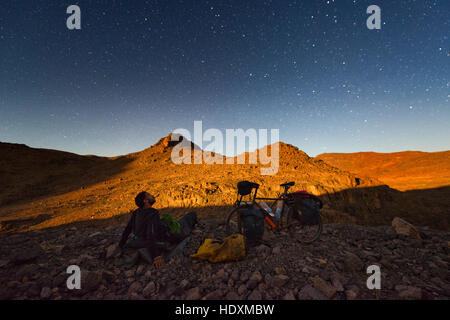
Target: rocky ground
33, 266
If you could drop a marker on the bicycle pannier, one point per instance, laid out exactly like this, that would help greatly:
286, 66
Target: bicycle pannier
307, 205
253, 224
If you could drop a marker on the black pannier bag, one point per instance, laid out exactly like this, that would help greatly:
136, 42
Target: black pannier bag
307, 205
253, 225
245, 187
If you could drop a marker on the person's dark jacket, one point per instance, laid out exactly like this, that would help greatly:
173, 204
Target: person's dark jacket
148, 229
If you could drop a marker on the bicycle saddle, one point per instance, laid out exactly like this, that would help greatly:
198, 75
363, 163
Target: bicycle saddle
287, 184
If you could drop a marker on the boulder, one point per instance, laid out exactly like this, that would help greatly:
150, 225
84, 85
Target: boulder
353, 262
405, 228
149, 289
324, 287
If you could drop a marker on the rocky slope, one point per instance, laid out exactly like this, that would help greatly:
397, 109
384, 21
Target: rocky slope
409, 170
33, 266
28, 173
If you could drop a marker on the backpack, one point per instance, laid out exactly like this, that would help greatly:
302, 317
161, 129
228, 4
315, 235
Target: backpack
172, 224
232, 248
307, 205
253, 225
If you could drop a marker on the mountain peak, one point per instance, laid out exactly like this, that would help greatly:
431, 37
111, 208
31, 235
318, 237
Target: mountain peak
171, 140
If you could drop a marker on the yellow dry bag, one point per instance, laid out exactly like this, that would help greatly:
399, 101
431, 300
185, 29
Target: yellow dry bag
232, 248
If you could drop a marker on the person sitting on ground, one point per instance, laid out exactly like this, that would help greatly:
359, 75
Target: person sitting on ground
152, 235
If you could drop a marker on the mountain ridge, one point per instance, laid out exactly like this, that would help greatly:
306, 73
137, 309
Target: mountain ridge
406, 170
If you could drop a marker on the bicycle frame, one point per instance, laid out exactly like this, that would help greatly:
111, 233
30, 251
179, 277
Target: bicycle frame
267, 217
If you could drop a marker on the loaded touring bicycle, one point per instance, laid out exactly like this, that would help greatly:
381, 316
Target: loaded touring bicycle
298, 213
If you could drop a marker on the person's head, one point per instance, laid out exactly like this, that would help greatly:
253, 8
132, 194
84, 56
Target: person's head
144, 200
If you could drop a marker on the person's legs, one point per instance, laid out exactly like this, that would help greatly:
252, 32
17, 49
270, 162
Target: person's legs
135, 244
145, 255
187, 223
136, 249
178, 249
129, 256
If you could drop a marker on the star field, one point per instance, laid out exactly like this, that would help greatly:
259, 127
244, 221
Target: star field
138, 70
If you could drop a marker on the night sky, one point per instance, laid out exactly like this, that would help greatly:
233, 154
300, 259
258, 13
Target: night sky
138, 69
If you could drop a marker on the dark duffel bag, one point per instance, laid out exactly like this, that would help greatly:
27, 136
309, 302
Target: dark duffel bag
307, 206
253, 226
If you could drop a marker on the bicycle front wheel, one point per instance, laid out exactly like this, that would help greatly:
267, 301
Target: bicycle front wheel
303, 233
234, 222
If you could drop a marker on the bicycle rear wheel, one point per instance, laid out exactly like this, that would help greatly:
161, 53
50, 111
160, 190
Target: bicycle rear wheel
234, 222
299, 231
